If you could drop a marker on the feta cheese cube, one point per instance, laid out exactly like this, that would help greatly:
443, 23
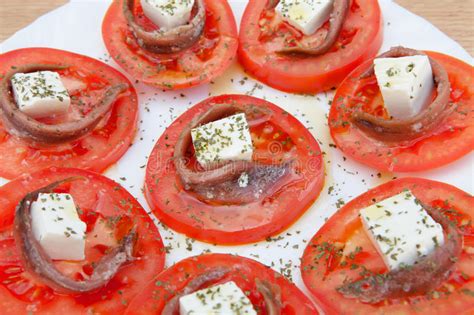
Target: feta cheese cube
306, 15
227, 139
168, 14
223, 299
40, 94
401, 230
406, 84
57, 226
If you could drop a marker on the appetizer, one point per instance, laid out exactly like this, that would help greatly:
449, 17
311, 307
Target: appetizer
308, 46
62, 109
402, 248
233, 169
72, 241
221, 284
405, 111
171, 44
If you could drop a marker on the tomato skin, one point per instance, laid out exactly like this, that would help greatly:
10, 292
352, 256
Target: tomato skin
99, 196
344, 232
97, 150
309, 74
199, 64
453, 139
232, 224
244, 272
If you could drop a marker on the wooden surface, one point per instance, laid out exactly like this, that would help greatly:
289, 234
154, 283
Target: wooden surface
454, 17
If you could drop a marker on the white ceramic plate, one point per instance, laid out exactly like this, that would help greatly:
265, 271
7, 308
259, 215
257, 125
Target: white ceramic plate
77, 27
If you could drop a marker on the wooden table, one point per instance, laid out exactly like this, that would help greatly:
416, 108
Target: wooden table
454, 17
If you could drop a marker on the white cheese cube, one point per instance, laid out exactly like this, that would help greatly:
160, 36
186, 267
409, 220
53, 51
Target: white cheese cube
406, 84
227, 139
223, 299
40, 94
306, 15
57, 226
168, 14
401, 230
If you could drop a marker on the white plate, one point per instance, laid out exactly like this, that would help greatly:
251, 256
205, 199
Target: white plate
77, 27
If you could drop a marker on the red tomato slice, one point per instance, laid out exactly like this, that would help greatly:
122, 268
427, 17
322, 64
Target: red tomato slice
110, 212
243, 272
236, 224
341, 250
87, 80
204, 61
262, 32
452, 139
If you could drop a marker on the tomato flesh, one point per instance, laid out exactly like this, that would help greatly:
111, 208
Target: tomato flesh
110, 212
237, 223
243, 272
451, 140
208, 58
98, 149
341, 251
263, 32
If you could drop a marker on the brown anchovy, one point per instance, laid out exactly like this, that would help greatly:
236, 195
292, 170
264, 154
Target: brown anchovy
423, 277
271, 4
272, 296
172, 306
40, 265
28, 128
417, 126
261, 181
221, 172
336, 22
167, 41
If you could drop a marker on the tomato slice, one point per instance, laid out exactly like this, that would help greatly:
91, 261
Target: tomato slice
238, 223
263, 32
243, 271
451, 140
109, 212
205, 60
87, 80
341, 250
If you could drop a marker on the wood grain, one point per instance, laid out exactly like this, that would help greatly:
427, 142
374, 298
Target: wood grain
454, 17
16, 14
